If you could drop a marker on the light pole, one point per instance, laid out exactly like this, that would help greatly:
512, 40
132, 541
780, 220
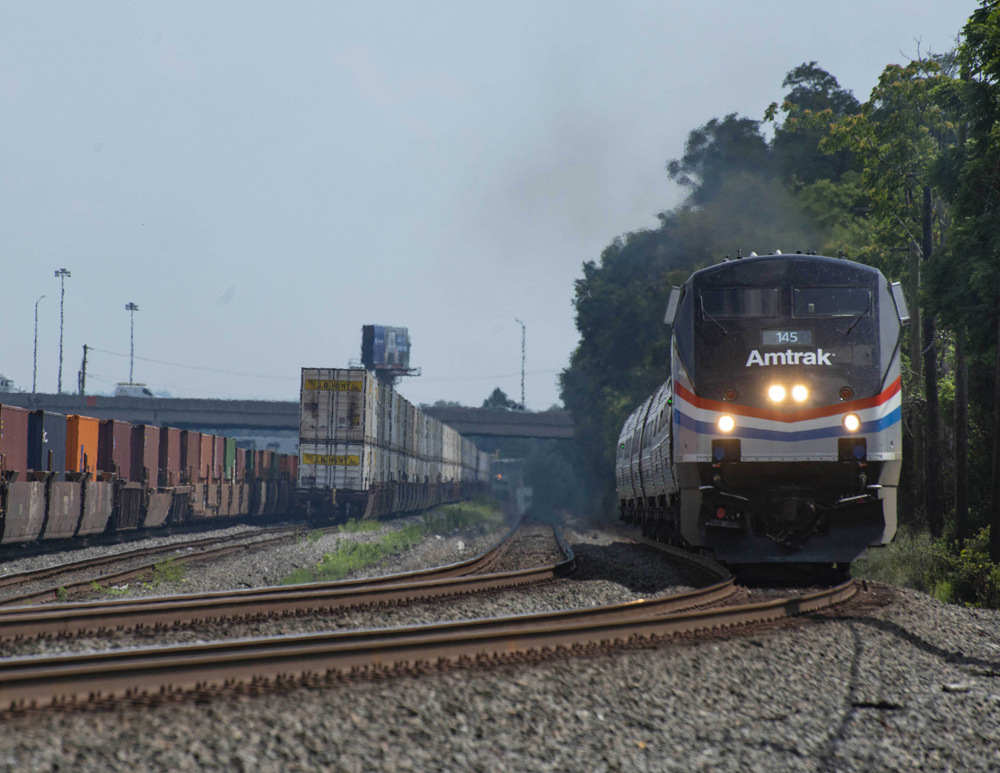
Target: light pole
522, 361
131, 308
34, 372
62, 275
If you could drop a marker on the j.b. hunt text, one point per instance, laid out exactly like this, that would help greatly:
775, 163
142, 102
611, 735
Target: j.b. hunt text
788, 357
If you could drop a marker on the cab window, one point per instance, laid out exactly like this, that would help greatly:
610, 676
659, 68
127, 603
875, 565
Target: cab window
737, 302
831, 302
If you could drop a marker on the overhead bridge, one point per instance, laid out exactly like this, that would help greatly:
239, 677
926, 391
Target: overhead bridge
485, 421
266, 416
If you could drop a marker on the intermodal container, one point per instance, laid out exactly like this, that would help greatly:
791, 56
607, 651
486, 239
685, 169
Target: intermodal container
275, 465
14, 438
229, 459
190, 454
170, 456
218, 458
145, 466
261, 466
114, 447
241, 464
47, 432
207, 450
82, 433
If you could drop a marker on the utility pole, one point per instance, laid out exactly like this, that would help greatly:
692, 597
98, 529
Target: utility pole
62, 275
961, 437
131, 308
34, 372
82, 377
932, 432
522, 360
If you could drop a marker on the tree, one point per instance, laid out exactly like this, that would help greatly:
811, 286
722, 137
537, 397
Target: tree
901, 135
498, 400
715, 151
796, 143
976, 211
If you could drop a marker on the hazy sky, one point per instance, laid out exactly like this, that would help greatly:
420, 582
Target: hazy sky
262, 179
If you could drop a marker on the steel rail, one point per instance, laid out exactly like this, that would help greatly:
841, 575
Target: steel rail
258, 603
50, 593
43, 573
144, 673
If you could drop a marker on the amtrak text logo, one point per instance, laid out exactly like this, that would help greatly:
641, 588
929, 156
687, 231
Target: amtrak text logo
788, 357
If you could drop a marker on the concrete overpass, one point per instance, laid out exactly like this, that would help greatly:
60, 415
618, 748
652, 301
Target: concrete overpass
484, 421
251, 415
264, 417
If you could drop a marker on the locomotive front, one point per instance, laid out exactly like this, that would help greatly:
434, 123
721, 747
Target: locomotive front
787, 441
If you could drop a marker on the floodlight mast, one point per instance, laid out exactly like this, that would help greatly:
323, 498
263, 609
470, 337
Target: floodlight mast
62, 275
522, 360
34, 371
131, 308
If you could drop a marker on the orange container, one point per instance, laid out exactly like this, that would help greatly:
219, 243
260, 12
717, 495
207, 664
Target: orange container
82, 433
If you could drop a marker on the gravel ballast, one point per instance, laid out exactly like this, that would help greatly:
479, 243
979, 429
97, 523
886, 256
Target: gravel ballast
895, 680
882, 687
271, 564
606, 572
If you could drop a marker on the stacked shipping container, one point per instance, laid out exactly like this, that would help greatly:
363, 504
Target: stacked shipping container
365, 446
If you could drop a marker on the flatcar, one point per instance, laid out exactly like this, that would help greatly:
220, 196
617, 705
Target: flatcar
71, 477
777, 437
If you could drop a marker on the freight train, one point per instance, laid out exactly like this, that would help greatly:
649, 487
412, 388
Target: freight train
365, 451
65, 477
777, 437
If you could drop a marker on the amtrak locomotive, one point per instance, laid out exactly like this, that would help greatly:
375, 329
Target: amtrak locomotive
778, 436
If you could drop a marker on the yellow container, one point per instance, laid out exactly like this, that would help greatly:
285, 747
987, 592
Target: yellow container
81, 443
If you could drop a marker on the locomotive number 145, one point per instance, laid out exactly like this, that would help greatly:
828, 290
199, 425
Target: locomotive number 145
785, 337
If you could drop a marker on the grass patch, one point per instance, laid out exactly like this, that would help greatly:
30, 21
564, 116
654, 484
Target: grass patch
353, 526
350, 556
111, 591
937, 567
168, 571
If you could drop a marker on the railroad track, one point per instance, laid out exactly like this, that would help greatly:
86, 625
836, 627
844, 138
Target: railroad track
151, 674
282, 534
167, 612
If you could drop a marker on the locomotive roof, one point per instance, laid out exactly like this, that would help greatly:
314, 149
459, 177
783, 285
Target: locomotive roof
767, 269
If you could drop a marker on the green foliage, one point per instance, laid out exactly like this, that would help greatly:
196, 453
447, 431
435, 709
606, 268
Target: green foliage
112, 591
352, 527
168, 570
938, 567
61, 594
315, 536
498, 400
351, 556
717, 150
795, 147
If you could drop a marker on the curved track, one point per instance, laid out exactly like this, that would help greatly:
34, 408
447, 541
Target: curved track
161, 612
156, 673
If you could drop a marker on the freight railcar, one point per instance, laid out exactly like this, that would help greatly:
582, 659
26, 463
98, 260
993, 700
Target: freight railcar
777, 437
70, 477
365, 451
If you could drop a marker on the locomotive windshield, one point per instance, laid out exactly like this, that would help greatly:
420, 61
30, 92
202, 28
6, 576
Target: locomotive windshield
831, 301
745, 302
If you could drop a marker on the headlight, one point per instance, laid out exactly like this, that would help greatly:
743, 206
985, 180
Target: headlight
799, 393
776, 393
726, 423
851, 422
